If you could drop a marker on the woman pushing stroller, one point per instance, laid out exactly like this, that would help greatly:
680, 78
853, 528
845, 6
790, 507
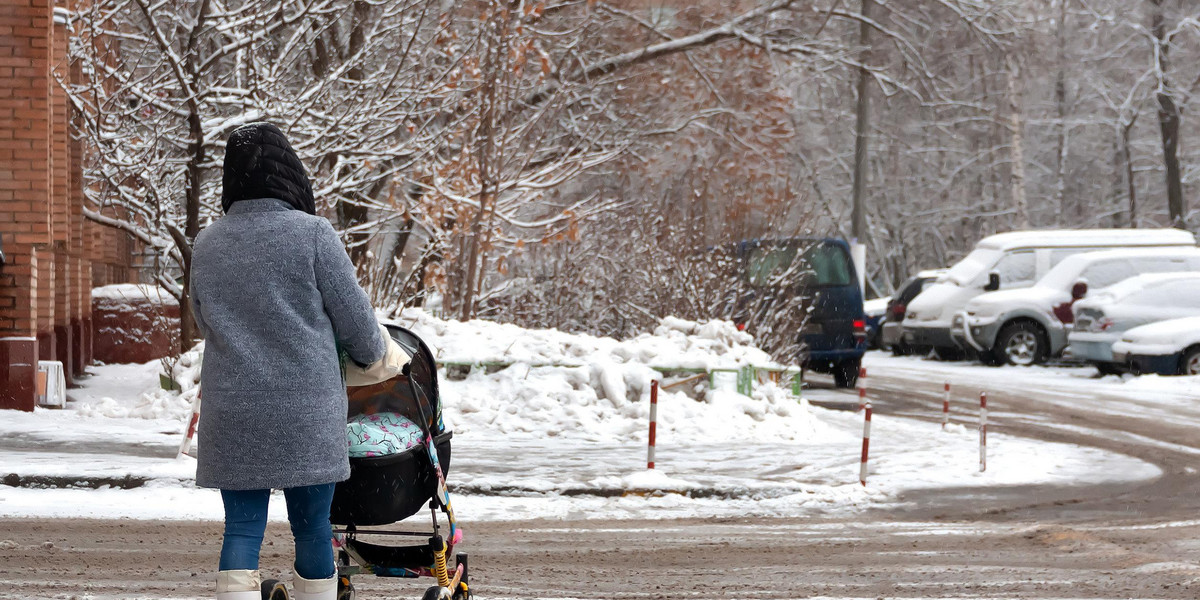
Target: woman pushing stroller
276, 297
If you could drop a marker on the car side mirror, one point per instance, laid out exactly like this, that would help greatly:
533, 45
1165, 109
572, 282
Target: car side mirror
993, 283
1079, 290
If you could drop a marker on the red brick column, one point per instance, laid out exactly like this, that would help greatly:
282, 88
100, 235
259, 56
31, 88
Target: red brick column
66, 245
81, 323
81, 246
25, 157
44, 279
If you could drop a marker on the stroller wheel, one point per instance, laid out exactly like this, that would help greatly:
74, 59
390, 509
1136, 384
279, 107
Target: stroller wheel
436, 592
272, 589
345, 589
462, 594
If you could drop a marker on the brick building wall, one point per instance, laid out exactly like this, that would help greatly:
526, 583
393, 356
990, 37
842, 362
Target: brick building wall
25, 203
45, 287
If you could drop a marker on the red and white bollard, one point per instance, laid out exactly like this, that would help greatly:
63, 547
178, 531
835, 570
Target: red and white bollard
862, 468
862, 388
982, 431
186, 446
946, 406
653, 422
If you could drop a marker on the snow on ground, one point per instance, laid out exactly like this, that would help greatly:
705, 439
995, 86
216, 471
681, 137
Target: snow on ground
126, 292
556, 427
1170, 399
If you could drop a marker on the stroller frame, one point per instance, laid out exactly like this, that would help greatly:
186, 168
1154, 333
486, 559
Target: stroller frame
356, 556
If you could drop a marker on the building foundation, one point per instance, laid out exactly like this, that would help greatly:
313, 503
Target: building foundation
18, 361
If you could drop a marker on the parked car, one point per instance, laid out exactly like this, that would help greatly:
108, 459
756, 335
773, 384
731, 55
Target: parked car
892, 332
1102, 318
1029, 325
875, 311
820, 272
1164, 348
1013, 260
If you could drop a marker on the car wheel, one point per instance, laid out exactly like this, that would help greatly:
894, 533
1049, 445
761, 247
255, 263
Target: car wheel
1190, 365
845, 373
901, 349
1021, 343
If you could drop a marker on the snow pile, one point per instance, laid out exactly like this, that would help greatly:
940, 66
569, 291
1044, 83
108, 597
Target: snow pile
578, 403
674, 344
554, 384
152, 402
126, 293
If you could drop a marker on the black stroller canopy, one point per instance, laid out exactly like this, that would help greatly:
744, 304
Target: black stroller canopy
414, 395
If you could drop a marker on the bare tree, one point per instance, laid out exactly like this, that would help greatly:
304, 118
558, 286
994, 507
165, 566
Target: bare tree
1017, 142
537, 161
1168, 114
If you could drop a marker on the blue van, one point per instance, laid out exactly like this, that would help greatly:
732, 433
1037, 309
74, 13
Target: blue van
814, 283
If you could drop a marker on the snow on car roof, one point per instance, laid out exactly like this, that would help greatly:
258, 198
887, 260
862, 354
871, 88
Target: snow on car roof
1064, 273
1163, 337
1053, 238
876, 306
1138, 283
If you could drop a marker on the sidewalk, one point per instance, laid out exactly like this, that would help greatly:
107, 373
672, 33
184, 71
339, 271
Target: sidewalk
64, 464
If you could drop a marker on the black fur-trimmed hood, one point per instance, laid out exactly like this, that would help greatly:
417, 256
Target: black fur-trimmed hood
260, 163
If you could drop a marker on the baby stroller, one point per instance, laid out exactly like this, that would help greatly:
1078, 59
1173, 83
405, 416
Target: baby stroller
383, 490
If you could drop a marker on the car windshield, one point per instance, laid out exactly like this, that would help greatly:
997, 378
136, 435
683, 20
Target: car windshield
972, 266
1064, 274
821, 264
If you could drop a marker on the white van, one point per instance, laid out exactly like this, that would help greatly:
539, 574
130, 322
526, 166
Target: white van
1027, 326
1016, 259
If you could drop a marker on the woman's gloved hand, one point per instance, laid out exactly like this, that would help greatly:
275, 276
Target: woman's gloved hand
394, 362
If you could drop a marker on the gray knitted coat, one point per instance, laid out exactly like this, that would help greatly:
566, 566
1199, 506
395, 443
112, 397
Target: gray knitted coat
274, 293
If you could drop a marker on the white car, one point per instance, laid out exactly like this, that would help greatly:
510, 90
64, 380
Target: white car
875, 307
1017, 259
1166, 348
1027, 326
875, 310
1101, 318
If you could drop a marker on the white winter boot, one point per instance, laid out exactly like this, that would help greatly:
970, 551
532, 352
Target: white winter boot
314, 589
239, 585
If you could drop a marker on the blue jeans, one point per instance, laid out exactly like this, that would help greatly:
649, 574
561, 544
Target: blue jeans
308, 514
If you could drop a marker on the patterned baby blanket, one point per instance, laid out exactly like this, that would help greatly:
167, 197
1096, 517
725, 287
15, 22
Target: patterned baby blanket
381, 434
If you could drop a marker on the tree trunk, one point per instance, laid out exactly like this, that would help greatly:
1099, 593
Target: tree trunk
351, 214
977, 197
1116, 202
1168, 118
485, 148
994, 138
1016, 147
862, 116
1060, 100
1127, 159
195, 174
195, 182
